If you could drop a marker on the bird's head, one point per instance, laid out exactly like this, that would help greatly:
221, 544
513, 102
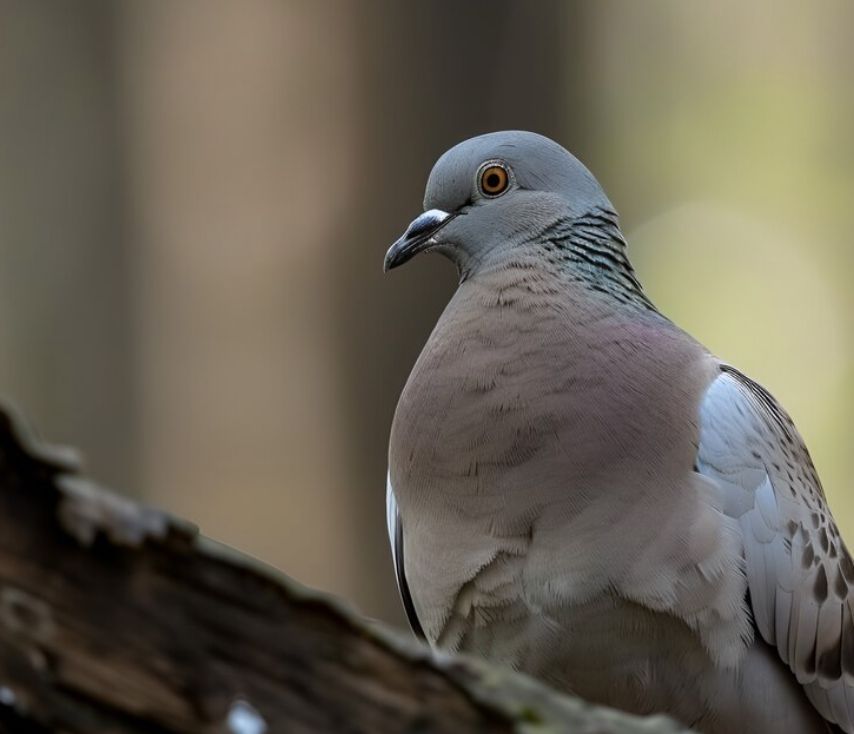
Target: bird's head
497, 191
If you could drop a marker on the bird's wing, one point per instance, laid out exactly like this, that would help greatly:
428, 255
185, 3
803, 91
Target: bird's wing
395, 539
800, 575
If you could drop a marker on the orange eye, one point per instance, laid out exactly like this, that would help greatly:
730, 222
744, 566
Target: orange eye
494, 180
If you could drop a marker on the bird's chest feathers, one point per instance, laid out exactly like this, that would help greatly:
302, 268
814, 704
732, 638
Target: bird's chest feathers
524, 439
529, 398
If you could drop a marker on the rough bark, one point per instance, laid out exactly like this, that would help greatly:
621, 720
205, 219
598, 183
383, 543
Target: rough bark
119, 618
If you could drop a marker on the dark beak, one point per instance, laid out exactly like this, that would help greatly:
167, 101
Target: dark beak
417, 238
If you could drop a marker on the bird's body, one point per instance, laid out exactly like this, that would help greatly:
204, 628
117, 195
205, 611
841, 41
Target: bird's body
577, 486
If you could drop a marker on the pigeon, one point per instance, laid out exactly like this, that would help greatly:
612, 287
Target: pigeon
579, 490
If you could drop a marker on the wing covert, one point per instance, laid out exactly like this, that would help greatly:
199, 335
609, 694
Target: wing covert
800, 574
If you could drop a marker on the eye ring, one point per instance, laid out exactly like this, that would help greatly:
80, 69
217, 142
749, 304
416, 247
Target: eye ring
493, 179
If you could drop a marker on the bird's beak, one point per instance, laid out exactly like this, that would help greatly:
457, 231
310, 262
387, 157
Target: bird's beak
418, 237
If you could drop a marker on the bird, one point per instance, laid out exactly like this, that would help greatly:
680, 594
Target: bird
579, 490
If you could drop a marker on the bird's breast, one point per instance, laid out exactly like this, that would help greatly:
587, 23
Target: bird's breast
538, 395
529, 427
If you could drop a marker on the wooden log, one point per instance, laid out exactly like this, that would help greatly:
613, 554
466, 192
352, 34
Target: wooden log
115, 617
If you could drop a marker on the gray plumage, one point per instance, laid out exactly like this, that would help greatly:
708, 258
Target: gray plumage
579, 490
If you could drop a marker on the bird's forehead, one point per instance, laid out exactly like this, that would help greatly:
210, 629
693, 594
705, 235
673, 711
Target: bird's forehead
532, 157
451, 179
462, 161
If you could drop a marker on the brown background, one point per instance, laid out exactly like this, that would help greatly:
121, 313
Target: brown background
195, 198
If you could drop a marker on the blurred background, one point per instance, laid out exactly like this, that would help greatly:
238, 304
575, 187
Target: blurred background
196, 196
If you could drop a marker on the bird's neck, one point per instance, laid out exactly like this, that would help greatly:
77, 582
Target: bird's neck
587, 252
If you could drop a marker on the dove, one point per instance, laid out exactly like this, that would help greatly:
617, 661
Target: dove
579, 490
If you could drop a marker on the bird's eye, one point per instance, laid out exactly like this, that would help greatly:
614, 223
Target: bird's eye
494, 180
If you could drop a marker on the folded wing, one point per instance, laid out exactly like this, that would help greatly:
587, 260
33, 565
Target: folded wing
800, 574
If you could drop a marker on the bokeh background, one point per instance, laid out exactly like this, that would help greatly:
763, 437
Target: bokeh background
195, 198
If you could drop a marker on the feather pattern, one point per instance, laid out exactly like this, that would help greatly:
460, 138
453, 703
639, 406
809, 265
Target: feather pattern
799, 571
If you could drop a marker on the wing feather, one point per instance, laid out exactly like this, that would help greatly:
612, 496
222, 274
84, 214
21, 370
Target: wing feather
395, 538
799, 571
